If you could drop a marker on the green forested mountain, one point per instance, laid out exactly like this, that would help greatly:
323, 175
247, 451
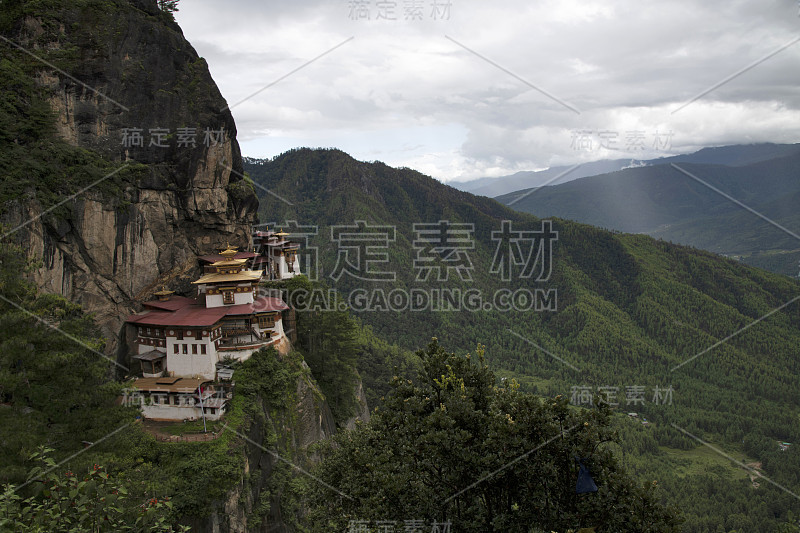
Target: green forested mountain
632, 313
664, 202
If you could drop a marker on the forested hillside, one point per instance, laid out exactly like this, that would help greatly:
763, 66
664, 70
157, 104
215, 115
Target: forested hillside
632, 313
692, 356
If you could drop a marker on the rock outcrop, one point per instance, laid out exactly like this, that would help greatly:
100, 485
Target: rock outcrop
362, 409
131, 88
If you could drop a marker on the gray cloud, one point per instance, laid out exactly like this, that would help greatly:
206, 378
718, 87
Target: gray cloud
402, 90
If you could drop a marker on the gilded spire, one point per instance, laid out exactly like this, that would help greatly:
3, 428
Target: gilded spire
164, 294
228, 253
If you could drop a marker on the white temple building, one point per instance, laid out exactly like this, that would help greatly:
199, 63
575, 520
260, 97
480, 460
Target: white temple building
179, 341
275, 254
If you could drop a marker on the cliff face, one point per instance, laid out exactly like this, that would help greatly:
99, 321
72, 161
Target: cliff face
123, 169
276, 450
122, 82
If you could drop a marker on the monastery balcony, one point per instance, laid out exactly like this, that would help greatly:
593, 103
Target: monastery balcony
244, 341
245, 335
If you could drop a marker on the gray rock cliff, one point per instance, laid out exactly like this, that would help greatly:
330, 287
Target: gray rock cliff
124, 69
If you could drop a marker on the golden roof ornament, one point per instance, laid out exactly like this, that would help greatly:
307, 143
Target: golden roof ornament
164, 294
228, 253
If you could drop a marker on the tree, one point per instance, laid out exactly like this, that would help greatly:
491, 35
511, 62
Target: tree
55, 383
791, 526
329, 340
455, 447
65, 501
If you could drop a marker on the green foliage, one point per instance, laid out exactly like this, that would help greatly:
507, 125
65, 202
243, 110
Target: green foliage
56, 386
329, 342
455, 447
65, 502
34, 160
199, 476
168, 6
55, 383
792, 526
340, 350
661, 201
379, 361
264, 378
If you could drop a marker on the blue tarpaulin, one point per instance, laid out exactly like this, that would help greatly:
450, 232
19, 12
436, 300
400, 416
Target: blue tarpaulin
585, 482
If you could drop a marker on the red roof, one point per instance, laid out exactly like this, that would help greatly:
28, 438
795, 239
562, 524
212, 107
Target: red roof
213, 258
173, 304
194, 314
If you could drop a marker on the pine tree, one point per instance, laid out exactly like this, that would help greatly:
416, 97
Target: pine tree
455, 447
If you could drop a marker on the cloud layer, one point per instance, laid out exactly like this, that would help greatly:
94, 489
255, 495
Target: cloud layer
478, 88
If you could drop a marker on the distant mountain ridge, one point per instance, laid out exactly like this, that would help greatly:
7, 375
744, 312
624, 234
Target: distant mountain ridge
678, 204
734, 155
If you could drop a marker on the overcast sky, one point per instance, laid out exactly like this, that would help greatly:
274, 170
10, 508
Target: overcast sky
478, 88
